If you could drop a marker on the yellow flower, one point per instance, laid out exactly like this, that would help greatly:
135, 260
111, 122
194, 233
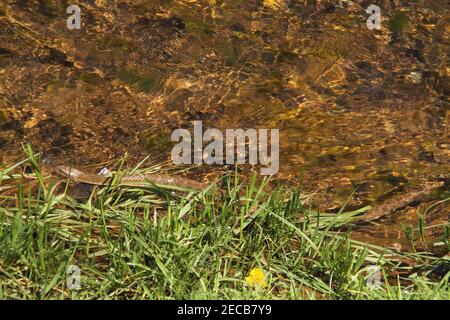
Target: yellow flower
256, 277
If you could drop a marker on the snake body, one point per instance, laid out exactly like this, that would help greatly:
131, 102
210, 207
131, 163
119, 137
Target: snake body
133, 180
164, 180
400, 201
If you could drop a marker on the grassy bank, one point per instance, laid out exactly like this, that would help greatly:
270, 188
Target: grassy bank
150, 243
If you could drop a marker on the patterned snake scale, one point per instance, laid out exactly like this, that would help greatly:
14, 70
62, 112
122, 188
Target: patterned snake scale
133, 180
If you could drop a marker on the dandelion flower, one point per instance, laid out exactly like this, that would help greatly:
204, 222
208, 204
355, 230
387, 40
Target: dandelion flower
256, 277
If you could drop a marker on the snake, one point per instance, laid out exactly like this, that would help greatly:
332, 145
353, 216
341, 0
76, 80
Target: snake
382, 209
132, 180
163, 180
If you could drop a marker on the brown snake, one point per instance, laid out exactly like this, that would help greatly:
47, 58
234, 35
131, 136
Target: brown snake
132, 180
164, 180
397, 202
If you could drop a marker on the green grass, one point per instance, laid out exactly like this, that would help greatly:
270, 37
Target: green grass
150, 243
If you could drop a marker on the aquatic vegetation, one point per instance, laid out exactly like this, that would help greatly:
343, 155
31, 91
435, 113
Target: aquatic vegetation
141, 82
114, 44
49, 8
398, 21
